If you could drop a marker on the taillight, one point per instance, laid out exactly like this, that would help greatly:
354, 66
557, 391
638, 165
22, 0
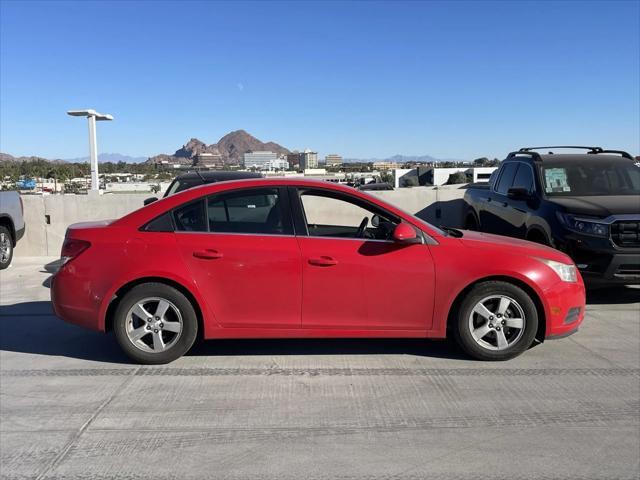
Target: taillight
71, 248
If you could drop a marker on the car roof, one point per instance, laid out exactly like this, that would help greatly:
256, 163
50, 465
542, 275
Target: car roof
558, 158
217, 176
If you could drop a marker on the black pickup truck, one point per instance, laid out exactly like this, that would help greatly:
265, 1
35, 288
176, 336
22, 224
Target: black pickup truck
587, 205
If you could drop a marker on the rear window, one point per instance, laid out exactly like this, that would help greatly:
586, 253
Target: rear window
258, 211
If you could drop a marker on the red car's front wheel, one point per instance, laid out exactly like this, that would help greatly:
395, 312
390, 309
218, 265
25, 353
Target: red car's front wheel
496, 321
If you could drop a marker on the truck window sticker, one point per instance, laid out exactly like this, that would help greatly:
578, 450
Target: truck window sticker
555, 180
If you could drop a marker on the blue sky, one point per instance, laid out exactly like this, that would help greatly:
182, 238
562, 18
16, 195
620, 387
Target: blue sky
362, 79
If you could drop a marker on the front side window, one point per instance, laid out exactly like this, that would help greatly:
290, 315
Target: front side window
258, 211
335, 216
506, 177
524, 177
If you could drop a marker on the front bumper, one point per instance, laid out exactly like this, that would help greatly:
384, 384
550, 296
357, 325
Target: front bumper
564, 308
601, 262
20, 233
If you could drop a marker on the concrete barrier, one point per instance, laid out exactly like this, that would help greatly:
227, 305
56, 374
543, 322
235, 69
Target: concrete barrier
48, 216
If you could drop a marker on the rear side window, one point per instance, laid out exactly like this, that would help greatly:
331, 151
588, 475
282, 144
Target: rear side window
258, 211
190, 217
524, 177
506, 177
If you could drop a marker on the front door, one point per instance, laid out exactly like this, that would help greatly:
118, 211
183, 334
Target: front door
240, 248
354, 276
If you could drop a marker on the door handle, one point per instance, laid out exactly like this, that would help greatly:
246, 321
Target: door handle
207, 254
323, 261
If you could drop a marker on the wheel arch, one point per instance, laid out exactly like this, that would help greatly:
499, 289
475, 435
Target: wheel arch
537, 232
535, 297
471, 213
124, 289
7, 221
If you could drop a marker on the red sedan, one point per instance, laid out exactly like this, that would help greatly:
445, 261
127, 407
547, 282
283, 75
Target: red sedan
297, 259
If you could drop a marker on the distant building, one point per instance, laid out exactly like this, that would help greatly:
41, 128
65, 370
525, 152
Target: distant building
333, 160
261, 160
294, 159
209, 160
279, 164
385, 165
308, 160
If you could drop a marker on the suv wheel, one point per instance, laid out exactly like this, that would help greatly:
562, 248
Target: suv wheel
496, 321
471, 223
155, 324
6, 247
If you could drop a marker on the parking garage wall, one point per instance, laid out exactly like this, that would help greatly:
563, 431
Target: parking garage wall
48, 216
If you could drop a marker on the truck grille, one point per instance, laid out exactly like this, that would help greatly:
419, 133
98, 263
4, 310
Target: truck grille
626, 233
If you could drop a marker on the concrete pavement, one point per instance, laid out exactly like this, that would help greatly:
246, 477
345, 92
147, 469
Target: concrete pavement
73, 407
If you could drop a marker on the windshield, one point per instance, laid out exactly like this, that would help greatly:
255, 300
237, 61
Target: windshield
591, 178
178, 185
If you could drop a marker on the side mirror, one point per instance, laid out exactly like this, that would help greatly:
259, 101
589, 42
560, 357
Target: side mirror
405, 233
375, 221
518, 193
150, 200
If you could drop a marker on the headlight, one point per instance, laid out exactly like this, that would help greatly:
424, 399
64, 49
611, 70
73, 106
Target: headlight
587, 226
567, 273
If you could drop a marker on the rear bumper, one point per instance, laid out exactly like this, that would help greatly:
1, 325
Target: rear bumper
73, 300
564, 308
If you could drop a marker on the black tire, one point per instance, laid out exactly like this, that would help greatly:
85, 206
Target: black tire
183, 343
471, 223
6, 245
538, 237
521, 340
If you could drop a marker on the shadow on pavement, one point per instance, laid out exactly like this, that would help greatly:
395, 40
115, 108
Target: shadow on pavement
31, 327
613, 295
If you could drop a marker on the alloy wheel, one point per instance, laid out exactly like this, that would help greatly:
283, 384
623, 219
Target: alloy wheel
5, 247
497, 322
154, 324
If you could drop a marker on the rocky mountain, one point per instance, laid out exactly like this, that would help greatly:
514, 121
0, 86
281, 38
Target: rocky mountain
5, 157
230, 148
402, 159
109, 157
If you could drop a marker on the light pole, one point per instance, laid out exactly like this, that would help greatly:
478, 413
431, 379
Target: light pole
92, 116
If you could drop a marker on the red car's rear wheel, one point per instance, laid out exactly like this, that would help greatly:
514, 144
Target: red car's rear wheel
155, 323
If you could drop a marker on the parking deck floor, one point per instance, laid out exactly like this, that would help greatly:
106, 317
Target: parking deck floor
73, 407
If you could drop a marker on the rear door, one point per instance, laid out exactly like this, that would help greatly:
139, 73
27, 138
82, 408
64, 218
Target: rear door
355, 278
240, 248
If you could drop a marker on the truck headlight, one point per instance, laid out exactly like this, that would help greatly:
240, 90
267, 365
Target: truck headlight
566, 272
587, 226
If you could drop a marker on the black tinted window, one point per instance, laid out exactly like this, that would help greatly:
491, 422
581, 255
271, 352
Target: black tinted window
190, 217
506, 177
259, 211
524, 177
161, 224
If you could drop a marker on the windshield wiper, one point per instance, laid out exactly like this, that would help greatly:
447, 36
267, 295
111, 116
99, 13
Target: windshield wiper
454, 232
